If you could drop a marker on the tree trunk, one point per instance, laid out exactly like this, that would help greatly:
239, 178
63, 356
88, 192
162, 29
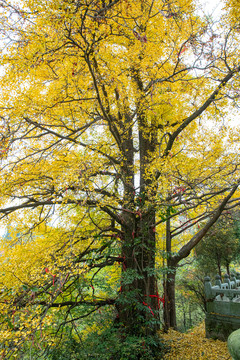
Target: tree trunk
170, 304
219, 269
228, 268
138, 303
169, 285
190, 315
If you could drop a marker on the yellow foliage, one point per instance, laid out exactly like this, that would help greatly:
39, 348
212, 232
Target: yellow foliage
193, 345
111, 123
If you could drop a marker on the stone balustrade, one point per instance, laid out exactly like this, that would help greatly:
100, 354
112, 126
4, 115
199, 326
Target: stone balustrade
228, 290
223, 306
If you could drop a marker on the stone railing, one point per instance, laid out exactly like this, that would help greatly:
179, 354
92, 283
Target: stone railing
223, 306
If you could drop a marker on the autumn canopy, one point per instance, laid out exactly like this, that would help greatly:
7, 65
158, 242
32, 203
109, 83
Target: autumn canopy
118, 150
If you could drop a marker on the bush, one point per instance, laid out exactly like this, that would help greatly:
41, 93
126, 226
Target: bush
111, 344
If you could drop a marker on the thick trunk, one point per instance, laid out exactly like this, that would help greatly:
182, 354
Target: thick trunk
138, 304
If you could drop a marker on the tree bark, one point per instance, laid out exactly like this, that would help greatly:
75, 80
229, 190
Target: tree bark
169, 286
138, 303
170, 303
228, 268
219, 268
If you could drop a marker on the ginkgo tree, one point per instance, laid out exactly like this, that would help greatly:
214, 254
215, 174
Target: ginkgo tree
115, 143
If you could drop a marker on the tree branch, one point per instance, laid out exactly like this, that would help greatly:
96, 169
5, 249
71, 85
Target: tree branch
77, 303
186, 249
198, 112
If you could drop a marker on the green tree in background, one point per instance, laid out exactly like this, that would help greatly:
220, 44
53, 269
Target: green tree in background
220, 246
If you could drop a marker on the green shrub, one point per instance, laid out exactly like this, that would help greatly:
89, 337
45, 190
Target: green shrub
111, 344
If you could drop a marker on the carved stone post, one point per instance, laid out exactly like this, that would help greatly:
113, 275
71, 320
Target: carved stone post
218, 281
233, 279
227, 280
207, 287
